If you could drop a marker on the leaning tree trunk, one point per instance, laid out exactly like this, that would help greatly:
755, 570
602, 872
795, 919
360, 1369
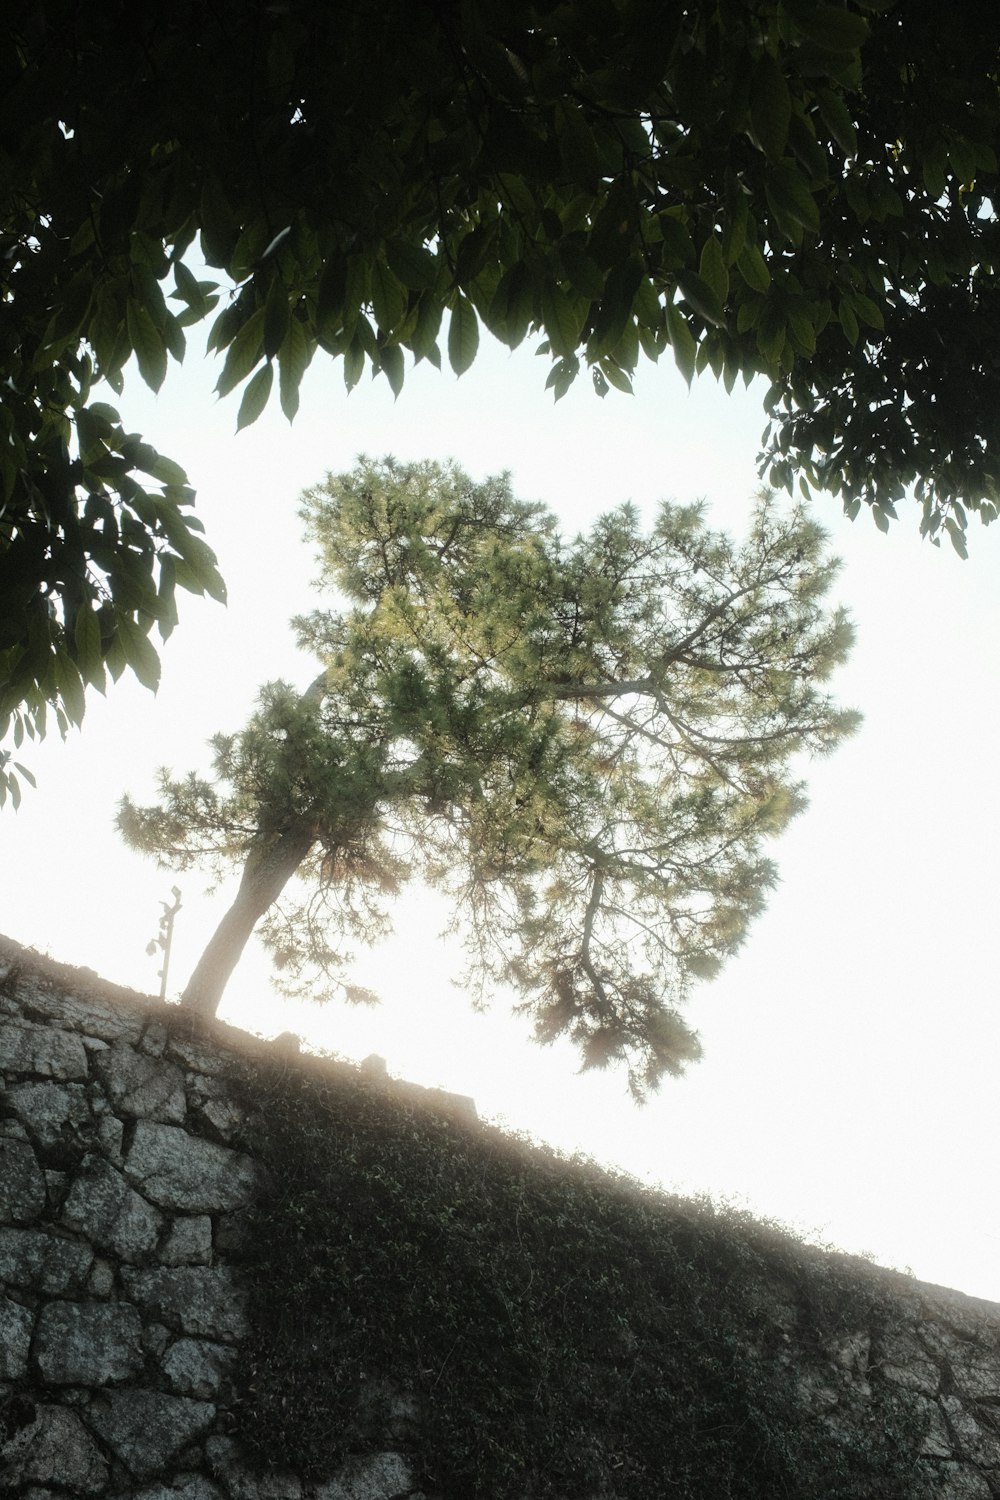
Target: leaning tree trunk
264, 878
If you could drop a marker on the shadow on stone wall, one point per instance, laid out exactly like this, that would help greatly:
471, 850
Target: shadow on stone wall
124, 1191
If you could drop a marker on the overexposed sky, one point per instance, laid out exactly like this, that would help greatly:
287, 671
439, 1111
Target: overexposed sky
849, 1084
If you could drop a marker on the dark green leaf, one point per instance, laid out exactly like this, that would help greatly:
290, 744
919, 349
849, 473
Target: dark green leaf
682, 341
563, 317
87, 640
354, 363
463, 335
139, 652
412, 264
255, 397
703, 298
753, 267
770, 107
245, 351
150, 352
391, 363
70, 687
789, 196
388, 297
562, 375
193, 292
837, 118
616, 377
831, 27
294, 357
677, 243
276, 317
848, 321
712, 268
868, 311
577, 146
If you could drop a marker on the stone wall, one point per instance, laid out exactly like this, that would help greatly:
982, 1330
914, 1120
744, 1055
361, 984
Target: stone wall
121, 1304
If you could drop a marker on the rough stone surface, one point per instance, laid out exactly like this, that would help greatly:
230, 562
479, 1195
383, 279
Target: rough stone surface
196, 1367
179, 1171
245, 1483
49, 1110
205, 1301
905, 1362
22, 1183
35, 1258
140, 1087
184, 1487
42, 1051
974, 1440
146, 1429
117, 1218
221, 1112
15, 1338
962, 1482
380, 1476
54, 1449
189, 1242
88, 1343
200, 1057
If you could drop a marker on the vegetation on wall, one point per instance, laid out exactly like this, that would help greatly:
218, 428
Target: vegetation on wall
563, 1331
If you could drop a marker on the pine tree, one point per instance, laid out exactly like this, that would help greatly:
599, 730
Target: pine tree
585, 743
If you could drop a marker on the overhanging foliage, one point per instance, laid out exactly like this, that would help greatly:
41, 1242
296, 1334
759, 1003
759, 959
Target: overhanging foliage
802, 190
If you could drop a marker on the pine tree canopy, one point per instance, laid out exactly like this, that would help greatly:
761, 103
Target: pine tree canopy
584, 742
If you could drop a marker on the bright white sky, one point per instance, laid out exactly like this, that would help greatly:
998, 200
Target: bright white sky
852, 1051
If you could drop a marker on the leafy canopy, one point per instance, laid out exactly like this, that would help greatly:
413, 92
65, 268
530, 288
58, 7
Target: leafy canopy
584, 742
802, 190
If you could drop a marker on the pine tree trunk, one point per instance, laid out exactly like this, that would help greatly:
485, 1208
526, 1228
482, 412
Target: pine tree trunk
264, 878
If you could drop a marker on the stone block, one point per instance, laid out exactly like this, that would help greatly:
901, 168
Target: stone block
960, 1482
43, 1262
22, 1183
205, 1301
972, 1441
15, 1338
222, 1112
101, 1281
904, 1360
154, 1039
55, 1448
103, 1018
41, 1051
103, 1206
140, 1087
196, 1367
200, 1058
88, 1343
936, 1441
146, 1429
380, 1476
976, 1373
48, 1109
181, 1171
189, 1242
111, 1133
